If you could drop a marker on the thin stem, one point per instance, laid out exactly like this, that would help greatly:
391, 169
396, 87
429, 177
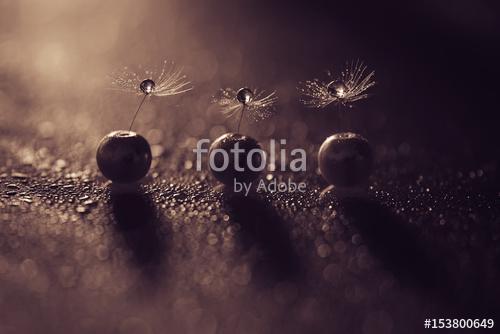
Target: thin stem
344, 119
241, 117
137, 111
347, 119
341, 117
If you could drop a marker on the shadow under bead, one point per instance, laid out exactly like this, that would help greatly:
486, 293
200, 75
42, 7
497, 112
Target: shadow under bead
124, 156
226, 143
345, 160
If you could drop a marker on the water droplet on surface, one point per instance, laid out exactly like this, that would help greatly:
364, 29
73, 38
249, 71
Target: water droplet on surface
29, 268
81, 209
19, 176
102, 252
212, 239
324, 250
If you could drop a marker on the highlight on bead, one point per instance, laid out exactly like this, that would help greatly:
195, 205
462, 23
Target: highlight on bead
166, 81
255, 104
342, 90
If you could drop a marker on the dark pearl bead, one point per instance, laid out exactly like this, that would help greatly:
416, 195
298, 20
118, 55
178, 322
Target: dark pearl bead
345, 160
244, 95
226, 143
123, 156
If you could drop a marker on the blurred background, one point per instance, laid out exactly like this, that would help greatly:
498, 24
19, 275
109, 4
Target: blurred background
436, 67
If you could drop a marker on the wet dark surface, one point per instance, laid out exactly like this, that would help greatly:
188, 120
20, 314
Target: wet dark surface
80, 254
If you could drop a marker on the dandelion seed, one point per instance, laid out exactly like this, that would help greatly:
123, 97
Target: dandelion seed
167, 81
258, 105
350, 86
